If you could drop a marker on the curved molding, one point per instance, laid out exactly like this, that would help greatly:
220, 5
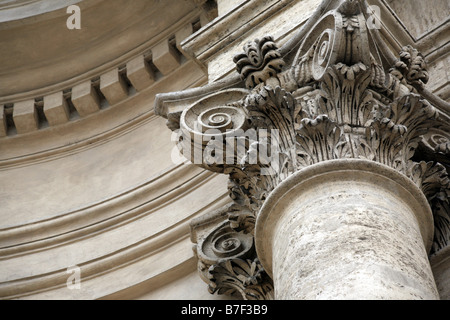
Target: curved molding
88, 143
164, 102
110, 213
121, 258
439, 103
205, 43
22, 9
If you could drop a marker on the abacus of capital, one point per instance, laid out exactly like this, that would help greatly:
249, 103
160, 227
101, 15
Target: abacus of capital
359, 194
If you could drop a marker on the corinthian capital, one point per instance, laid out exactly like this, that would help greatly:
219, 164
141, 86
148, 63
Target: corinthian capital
330, 96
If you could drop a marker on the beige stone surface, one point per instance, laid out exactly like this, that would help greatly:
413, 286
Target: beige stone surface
25, 116
109, 35
141, 231
440, 264
3, 125
56, 109
249, 20
439, 83
94, 174
139, 73
113, 86
188, 287
431, 15
94, 129
223, 6
165, 57
182, 34
100, 191
85, 98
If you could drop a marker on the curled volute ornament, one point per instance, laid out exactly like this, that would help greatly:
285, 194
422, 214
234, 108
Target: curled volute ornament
205, 125
214, 112
339, 36
227, 259
224, 243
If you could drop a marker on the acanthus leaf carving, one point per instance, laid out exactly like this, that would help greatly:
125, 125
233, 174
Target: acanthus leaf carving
244, 277
441, 213
317, 140
260, 61
410, 68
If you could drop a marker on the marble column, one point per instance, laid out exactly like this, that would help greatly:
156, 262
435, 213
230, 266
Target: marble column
347, 229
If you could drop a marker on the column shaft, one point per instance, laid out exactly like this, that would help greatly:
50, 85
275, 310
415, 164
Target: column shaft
347, 229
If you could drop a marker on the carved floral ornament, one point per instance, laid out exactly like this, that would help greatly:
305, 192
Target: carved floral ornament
331, 98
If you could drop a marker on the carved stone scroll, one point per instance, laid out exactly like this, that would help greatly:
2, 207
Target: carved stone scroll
227, 260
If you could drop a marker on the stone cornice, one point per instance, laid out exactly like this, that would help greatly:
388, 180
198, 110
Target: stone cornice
85, 133
396, 37
70, 63
13, 11
229, 27
81, 94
